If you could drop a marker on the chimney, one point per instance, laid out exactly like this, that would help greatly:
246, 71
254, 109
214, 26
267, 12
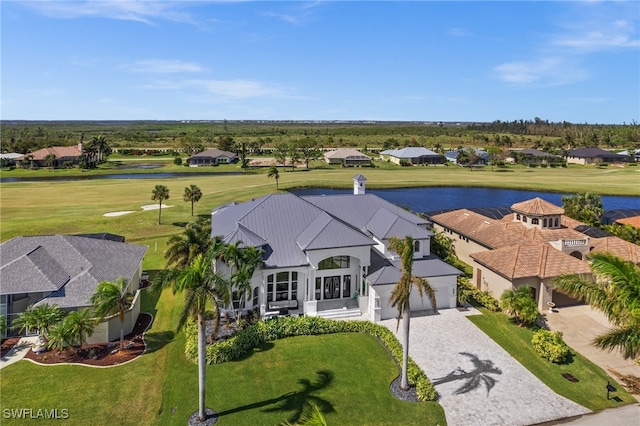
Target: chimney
80, 147
358, 184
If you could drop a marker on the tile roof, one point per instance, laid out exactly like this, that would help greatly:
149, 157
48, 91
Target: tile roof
537, 206
523, 261
58, 151
633, 221
70, 266
617, 246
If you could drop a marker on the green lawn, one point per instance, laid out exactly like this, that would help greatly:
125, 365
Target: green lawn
346, 375
589, 391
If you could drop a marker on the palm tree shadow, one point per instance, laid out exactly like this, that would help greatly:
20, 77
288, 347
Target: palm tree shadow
480, 375
157, 340
297, 401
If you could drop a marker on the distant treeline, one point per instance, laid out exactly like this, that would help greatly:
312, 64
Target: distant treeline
28, 136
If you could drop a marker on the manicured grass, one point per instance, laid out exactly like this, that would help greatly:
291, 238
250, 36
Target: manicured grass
589, 391
267, 387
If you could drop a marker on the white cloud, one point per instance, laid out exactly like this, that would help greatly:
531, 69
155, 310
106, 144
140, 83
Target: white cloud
598, 40
544, 71
237, 89
163, 66
128, 10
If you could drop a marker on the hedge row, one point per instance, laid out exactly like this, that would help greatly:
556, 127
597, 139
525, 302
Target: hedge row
484, 298
244, 341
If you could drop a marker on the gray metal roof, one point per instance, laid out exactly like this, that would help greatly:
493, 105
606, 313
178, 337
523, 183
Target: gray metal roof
289, 225
357, 210
427, 267
411, 152
385, 224
70, 266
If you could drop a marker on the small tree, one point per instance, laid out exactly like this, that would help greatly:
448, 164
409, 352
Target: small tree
50, 160
273, 173
79, 326
112, 298
41, 317
192, 194
159, 194
519, 303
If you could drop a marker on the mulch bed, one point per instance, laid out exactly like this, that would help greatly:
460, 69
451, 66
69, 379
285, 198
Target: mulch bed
104, 354
7, 344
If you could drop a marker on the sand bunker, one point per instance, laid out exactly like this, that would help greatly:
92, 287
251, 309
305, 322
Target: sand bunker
111, 214
154, 207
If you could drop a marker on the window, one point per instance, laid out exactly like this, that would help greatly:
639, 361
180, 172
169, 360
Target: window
256, 294
556, 222
416, 246
524, 219
346, 286
335, 262
535, 221
282, 286
270, 288
518, 216
318, 288
544, 223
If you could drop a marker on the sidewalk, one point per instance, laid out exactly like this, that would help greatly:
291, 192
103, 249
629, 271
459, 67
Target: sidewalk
18, 351
628, 415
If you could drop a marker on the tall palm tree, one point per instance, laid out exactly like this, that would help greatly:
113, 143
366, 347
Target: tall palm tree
401, 294
613, 289
41, 317
102, 148
110, 298
192, 194
183, 248
159, 194
201, 286
250, 258
80, 325
273, 173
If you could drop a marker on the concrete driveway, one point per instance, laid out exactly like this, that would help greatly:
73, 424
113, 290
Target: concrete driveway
579, 325
479, 382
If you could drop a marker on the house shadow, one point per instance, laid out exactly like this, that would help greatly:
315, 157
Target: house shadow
158, 339
267, 346
295, 402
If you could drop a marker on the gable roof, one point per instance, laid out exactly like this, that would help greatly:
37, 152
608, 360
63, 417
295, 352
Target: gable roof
389, 272
214, 153
536, 153
69, 266
345, 153
410, 152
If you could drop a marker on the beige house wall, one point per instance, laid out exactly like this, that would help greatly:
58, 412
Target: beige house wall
109, 329
462, 247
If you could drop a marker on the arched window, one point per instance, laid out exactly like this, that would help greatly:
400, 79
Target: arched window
524, 219
416, 246
577, 255
544, 222
518, 216
556, 223
335, 262
534, 221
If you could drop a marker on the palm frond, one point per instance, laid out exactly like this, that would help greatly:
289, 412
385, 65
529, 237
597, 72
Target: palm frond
626, 339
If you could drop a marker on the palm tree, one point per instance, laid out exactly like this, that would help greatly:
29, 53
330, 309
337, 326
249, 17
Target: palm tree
273, 172
201, 286
520, 304
101, 146
401, 294
80, 325
41, 317
250, 258
112, 298
159, 194
60, 336
50, 161
614, 289
3, 325
183, 248
192, 193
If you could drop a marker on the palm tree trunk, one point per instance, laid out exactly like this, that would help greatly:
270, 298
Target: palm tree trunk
122, 335
406, 317
159, 211
201, 366
191, 207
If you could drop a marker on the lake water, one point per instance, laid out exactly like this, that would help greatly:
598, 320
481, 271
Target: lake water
431, 199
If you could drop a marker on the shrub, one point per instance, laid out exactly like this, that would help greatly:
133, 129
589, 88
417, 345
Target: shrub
243, 342
549, 345
483, 298
177, 161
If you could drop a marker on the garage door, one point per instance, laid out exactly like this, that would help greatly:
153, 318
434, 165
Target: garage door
561, 300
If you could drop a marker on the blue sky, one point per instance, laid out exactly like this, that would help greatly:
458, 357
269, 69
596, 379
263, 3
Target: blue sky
290, 60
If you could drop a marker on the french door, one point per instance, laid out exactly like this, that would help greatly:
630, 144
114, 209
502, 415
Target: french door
332, 287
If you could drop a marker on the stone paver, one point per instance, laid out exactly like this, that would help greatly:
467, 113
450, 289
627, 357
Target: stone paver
18, 351
448, 346
579, 325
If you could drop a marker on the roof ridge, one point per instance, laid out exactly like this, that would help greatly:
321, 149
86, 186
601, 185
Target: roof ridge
515, 262
542, 262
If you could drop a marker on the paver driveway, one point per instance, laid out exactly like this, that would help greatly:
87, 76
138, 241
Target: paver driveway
479, 382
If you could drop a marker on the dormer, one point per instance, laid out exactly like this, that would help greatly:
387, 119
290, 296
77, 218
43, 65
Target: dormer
538, 213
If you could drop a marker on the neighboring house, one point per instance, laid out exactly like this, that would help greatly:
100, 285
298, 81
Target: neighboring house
531, 155
482, 156
633, 153
596, 156
323, 253
63, 154
65, 270
531, 246
412, 155
212, 157
11, 155
347, 157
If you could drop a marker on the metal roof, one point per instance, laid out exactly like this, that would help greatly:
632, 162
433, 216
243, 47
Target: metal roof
411, 152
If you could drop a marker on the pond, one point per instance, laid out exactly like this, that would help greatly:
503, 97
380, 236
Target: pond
443, 198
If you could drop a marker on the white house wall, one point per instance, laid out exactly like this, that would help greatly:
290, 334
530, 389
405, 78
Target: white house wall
445, 292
